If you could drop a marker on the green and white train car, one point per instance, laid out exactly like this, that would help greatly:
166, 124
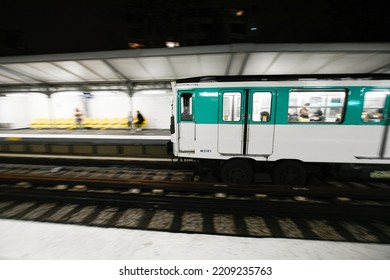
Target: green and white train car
283, 123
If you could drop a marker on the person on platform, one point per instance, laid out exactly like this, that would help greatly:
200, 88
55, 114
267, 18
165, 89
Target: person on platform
79, 118
140, 121
130, 120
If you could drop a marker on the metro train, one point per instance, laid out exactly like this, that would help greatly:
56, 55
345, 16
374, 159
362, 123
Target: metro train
284, 124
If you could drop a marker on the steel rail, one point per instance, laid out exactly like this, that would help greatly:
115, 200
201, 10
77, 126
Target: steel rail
208, 188
171, 198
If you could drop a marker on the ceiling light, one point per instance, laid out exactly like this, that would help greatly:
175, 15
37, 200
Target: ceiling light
170, 44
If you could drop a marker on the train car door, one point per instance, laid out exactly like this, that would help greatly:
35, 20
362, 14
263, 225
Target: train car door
385, 146
261, 123
246, 125
232, 114
375, 119
186, 124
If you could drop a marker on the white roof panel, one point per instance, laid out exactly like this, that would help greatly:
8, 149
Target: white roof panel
185, 65
158, 67
155, 65
7, 77
355, 63
299, 63
259, 63
210, 64
236, 64
131, 68
102, 69
44, 71
77, 68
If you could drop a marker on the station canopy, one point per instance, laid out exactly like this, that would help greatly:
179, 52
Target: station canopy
156, 68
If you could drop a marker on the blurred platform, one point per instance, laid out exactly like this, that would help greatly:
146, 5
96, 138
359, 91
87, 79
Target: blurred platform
91, 132
87, 142
23, 240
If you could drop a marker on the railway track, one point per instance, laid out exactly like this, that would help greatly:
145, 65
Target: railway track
330, 210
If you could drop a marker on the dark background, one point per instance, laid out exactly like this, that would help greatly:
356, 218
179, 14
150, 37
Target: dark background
46, 27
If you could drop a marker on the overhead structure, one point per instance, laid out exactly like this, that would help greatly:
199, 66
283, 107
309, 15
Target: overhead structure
116, 70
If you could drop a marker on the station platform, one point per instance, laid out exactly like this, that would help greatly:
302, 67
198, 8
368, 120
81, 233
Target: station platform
25, 240
90, 142
85, 133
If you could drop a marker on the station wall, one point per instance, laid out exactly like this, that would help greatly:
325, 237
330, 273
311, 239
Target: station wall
18, 111
64, 104
155, 108
108, 105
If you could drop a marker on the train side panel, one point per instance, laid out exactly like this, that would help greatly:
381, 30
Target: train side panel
325, 143
223, 122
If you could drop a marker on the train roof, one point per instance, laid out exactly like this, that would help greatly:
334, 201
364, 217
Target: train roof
297, 77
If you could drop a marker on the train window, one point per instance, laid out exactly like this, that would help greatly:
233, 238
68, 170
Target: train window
186, 107
231, 107
374, 102
261, 106
316, 106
